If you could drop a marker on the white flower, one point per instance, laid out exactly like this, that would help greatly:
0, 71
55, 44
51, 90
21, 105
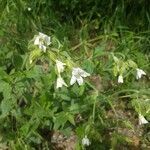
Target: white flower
60, 82
139, 73
142, 120
42, 47
120, 79
29, 9
85, 141
60, 66
77, 75
42, 40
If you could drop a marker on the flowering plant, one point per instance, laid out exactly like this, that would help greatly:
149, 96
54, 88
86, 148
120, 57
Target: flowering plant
82, 82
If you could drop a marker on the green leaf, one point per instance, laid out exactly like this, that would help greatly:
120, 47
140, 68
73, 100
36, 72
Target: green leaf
3, 74
132, 64
64, 97
99, 51
116, 60
35, 73
70, 118
74, 108
88, 65
60, 120
17, 61
5, 88
56, 42
34, 55
78, 90
6, 106
115, 70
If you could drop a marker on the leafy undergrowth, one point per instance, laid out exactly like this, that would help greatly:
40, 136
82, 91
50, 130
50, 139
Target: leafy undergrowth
73, 79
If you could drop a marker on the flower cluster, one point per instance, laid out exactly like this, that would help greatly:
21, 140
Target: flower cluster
139, 74
121, 66
42, 40
77, 75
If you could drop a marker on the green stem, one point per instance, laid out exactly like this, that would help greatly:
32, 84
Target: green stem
126, 90
94, 108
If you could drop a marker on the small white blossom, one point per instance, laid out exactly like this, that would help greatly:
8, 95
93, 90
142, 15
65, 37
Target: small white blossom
29, 9
142, 120
77, 75
139, 73
43, 48
30, 61
120, 79
42, 40
85, 141
60, 82
60, 66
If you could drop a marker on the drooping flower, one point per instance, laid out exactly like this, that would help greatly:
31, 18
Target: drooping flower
85, 141
120, 79
139, 73
42, 40
142, 120
77, 75
60, 82
60, 66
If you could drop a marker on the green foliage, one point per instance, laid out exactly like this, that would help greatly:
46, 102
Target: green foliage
104, 38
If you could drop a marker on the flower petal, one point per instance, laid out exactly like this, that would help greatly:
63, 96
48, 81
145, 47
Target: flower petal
73, 80
42, 47
75, 71
60, 82
79, 80
137, 76
84, 73
79, 72
85, 141
139, 73
47, 40
37, 40
42, 35
142, 120
60, 66
142, 72
120, 79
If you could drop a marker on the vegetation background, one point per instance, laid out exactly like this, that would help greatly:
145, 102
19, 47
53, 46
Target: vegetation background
34, 114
